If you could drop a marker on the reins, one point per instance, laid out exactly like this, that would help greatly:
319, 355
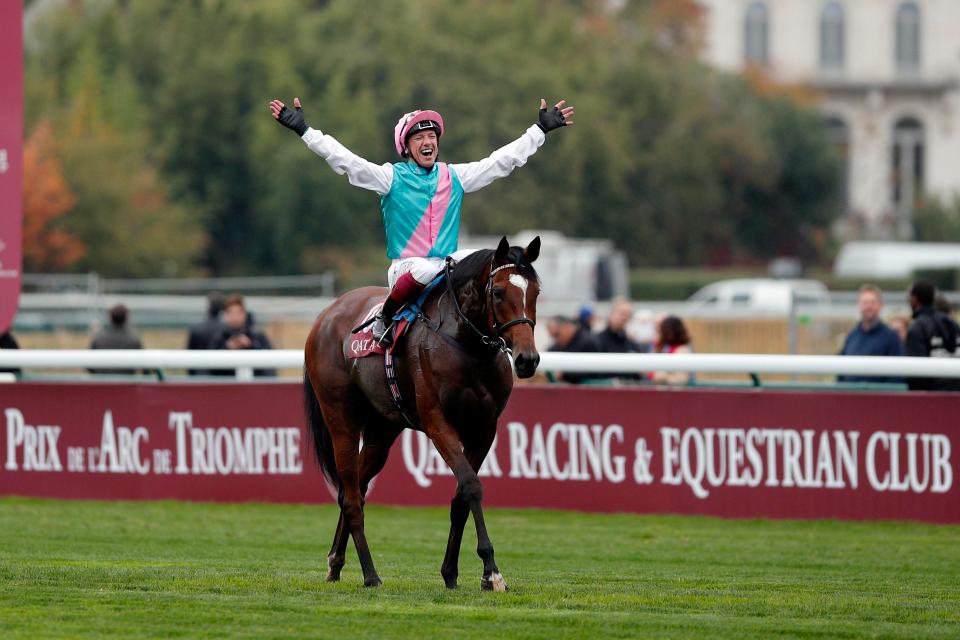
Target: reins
495, 341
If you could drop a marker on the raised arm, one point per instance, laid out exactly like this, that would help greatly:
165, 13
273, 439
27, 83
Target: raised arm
476, 175
361, 173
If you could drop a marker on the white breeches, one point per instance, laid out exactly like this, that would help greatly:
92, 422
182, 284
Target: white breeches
423, 270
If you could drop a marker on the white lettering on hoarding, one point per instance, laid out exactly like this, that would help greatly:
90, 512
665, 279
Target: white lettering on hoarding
422, 459
36, 444
223, 450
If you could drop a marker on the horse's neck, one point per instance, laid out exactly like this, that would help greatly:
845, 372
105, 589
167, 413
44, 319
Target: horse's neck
473, 304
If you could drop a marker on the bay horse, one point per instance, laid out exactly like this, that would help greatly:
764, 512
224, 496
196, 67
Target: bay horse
454, 372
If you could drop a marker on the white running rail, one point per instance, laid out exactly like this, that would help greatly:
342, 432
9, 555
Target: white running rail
612, 363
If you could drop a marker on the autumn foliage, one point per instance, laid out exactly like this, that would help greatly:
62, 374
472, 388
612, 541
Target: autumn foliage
46, 201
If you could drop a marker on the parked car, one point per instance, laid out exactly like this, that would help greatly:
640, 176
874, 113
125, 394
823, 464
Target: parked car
760, 294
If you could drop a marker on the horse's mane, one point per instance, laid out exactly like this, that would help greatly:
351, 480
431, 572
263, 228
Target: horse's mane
466, 270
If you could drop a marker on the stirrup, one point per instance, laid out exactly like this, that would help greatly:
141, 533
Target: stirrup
381, 331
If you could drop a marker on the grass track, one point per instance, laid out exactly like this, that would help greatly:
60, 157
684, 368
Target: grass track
133, 570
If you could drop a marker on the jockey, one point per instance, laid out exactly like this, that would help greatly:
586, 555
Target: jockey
420, 198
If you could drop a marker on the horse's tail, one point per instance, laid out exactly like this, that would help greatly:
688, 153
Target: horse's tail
318, 433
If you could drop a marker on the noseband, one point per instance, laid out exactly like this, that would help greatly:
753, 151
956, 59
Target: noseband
495, 341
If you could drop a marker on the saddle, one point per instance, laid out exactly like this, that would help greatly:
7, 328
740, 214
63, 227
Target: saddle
362, 342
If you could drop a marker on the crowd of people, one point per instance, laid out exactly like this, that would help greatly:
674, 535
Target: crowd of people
624, 332
931, 333
228, 325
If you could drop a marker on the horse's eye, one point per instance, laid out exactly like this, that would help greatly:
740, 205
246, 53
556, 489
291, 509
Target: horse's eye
498, 294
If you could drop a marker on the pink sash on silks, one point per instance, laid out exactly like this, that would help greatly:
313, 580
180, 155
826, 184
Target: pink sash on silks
420, 243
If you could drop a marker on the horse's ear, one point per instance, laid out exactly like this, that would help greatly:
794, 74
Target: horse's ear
533, 250
503, 250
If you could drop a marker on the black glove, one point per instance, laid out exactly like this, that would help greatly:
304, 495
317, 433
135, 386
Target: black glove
293, 119
549, 120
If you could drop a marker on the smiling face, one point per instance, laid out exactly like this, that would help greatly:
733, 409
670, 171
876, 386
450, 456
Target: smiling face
423, 148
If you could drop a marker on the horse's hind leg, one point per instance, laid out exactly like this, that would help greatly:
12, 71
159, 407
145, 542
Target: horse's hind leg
459, 512
376, 448
345, 433
469, 492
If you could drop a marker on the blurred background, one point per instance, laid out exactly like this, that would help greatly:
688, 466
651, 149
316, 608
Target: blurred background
809, 147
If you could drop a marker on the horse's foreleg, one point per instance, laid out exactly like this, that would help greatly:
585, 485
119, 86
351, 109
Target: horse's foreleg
372, 458
469, 493
459, 511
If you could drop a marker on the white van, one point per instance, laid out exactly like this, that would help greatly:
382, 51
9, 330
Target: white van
759, 294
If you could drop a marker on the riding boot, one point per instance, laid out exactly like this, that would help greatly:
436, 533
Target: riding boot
405, 289
383, 321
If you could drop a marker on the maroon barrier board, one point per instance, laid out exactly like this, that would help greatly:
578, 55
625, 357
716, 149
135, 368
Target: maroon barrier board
733, 453
11, 158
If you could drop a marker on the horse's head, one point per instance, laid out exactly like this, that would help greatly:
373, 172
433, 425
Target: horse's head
512, 303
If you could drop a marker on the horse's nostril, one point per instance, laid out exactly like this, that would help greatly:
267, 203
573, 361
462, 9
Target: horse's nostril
536, 361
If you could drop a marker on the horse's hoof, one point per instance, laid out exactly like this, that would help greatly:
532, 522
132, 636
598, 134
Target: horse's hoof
333, 577
494, 582
372, 582
450, 580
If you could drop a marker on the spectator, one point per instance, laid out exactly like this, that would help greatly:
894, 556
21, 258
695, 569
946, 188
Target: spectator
586, 317
900, 324
614, 338
932, 334
871, 337
237, 332
570, 336
116, 336
7, 341
204, 333
674, 338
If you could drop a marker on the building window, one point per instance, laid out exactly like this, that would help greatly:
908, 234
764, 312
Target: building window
840, 138
756, 36
832, 37
907, 168
908, 38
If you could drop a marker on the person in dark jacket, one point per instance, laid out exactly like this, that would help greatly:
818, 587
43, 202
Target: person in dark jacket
116, 335
570, 336
932, 334
614, 338
238, 332
204, 333
871, 337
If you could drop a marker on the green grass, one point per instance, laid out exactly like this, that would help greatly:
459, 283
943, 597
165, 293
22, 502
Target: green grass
125, 569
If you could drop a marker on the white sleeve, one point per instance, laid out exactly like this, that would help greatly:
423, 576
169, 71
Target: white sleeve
500, 163
360, 172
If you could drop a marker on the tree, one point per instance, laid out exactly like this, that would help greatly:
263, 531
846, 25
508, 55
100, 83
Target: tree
47, 246
679, 163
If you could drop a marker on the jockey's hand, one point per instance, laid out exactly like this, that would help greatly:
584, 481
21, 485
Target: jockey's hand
290, 118
554, 118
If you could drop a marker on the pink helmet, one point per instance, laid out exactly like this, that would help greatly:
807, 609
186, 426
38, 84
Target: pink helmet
408, 121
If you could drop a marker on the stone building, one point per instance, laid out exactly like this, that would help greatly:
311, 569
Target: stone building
888, 72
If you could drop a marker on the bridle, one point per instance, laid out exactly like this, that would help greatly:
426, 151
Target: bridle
495, 341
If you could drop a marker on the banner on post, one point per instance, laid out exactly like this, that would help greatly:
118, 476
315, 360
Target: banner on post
11, 158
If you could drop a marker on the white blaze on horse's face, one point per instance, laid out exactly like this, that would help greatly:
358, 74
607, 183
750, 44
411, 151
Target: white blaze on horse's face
521, 283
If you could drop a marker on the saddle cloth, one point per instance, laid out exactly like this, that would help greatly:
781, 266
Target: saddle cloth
362, 343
